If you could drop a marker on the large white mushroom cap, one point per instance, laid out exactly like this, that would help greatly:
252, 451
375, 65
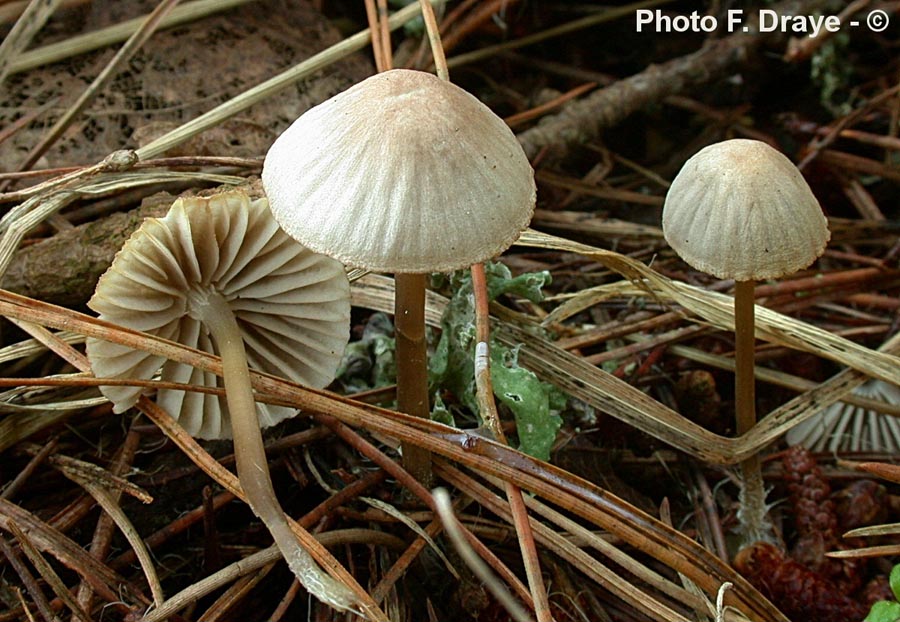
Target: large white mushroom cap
292, 305
741, 210
403, 172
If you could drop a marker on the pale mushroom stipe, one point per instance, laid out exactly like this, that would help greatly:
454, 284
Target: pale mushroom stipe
404, 173
218, 274
741, 210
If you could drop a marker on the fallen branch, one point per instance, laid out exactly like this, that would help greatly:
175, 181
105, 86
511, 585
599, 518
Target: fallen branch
582, 120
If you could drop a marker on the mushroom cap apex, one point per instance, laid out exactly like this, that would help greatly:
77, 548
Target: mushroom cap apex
402, 172
739, 209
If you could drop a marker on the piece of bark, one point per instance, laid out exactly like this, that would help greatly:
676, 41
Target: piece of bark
64, 268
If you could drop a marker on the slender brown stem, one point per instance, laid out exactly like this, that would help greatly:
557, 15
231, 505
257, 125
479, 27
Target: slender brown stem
483, 387
744, 348
754, 523
375, 34
434, 38
385, 38
412, 365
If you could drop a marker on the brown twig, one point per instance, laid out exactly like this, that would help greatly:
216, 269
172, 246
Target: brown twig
582, 120
105, 529
491, 419
28, 580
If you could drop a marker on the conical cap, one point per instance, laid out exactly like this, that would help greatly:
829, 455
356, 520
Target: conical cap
403, 172
741, 210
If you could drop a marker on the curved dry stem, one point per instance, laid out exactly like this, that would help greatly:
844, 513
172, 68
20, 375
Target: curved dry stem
444, 508
250, 456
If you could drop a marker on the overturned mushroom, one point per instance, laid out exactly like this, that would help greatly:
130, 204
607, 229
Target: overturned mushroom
219, 275
847, 427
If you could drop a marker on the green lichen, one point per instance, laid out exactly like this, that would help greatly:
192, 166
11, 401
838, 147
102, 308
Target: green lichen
533, 403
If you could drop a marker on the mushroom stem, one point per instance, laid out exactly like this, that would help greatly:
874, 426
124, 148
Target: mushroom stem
744, 347
250, 455
412, 365
752, 515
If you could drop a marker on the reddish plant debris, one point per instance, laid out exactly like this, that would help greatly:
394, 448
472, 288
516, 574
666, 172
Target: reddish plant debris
862, 503
797, 591
816, 522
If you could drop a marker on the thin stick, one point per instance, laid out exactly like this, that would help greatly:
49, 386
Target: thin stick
349, 436
47, 573
109, 504
104, 531
485, 395
483, 386
28, 580
23, 31
482, 571
434, 38
383, 17
372, 18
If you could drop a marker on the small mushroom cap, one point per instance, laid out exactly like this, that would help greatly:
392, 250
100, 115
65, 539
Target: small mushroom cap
292, 305
403, 172
741, 210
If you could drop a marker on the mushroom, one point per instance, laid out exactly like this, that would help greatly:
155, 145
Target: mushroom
404, 173
848, 427
741, 210
219, 275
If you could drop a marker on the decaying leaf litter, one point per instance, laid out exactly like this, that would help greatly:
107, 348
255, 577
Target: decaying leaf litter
600, 347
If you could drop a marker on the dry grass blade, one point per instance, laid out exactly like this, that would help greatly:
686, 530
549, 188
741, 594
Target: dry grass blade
875, 530
131, 46
29, 582
270, 86
112, 509
585, 22
48, 574
808, 404
613, 581
482, 571
558, 486
717, 310
82, 472
779, 378
29, 23
16, 223
885, 550
49, 540
87, 42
